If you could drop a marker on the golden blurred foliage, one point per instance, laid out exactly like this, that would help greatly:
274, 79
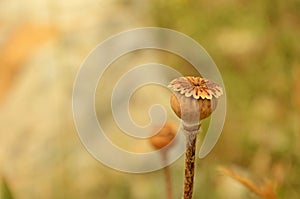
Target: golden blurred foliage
19, 45
296, 77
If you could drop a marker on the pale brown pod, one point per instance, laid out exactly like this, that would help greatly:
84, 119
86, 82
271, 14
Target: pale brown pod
205, 106
194, 99
164, 136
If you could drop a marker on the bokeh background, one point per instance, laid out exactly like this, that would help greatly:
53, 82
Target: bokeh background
255, 44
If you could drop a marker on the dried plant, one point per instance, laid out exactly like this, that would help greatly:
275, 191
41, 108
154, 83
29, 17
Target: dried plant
265, 191
160, 140
194, 99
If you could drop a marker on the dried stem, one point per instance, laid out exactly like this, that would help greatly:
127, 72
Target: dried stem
266, 191
167, 176
189, 164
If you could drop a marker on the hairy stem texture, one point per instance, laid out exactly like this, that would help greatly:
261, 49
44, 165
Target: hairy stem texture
189, 166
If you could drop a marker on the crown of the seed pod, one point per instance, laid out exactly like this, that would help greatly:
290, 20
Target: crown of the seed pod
196, 87
194, 98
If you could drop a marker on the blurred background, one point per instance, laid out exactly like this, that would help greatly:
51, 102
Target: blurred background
255, 44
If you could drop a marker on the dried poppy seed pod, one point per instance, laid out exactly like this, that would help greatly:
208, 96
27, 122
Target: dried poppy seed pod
194, 99
164, 136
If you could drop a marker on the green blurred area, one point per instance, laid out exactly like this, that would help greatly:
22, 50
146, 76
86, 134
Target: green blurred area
255, 45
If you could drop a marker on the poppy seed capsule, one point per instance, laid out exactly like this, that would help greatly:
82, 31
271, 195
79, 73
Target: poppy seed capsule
164, 137
194, 99
205, 106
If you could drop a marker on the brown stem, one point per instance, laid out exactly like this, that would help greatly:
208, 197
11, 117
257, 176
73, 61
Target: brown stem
189, 164
167, 176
